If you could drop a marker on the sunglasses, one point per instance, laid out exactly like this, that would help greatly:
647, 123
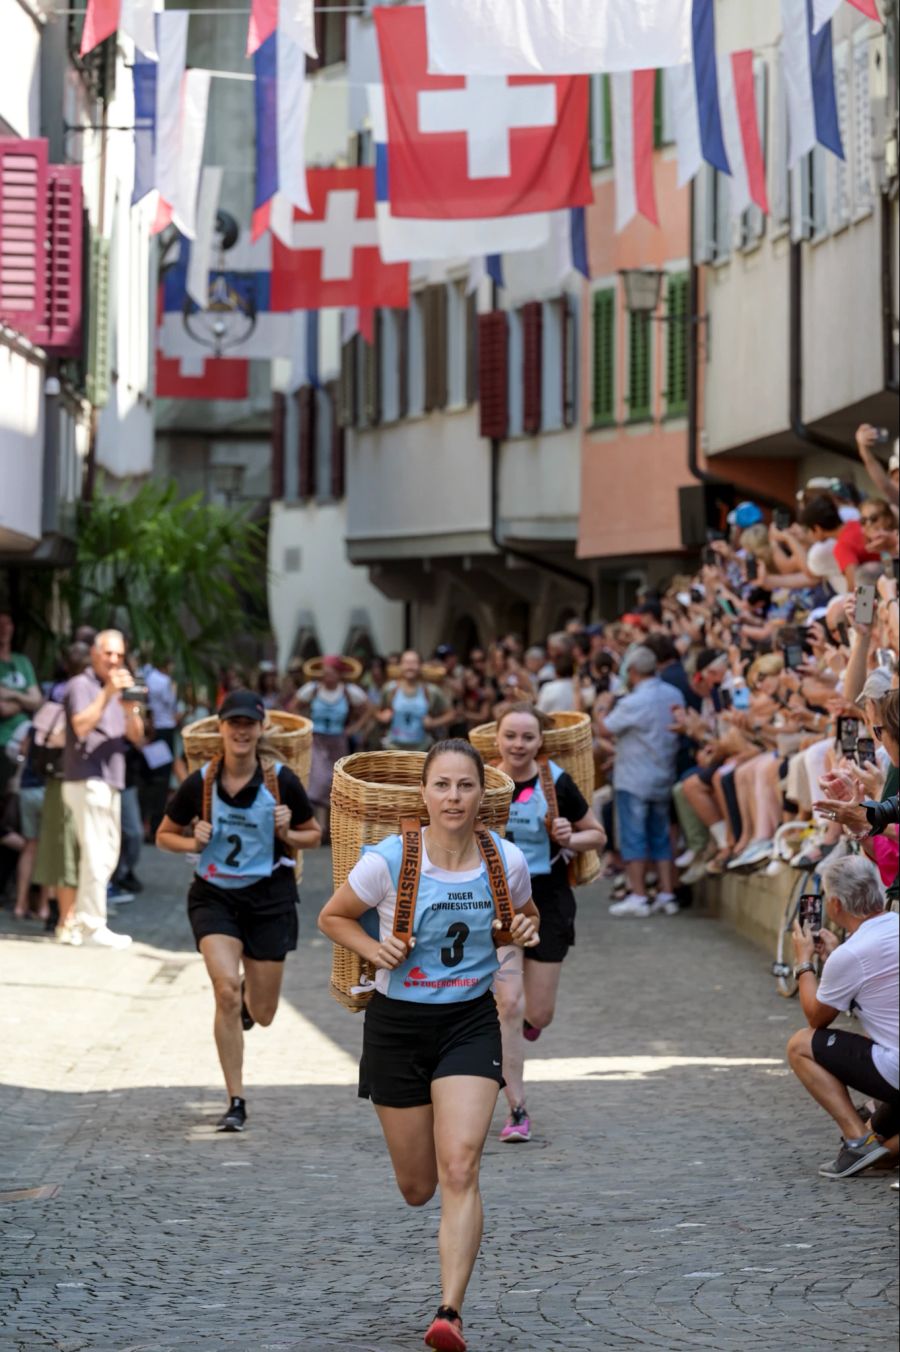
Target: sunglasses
878, 729
871, 520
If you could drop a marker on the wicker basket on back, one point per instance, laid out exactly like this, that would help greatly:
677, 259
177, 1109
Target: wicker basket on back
431, 672
570, 742
370, 792
287, 738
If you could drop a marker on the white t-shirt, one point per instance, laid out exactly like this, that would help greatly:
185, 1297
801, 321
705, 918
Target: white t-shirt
371, 880
558, 696
821, 562
866, 969
355, 693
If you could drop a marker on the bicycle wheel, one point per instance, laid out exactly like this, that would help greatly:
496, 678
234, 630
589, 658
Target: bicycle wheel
783, 966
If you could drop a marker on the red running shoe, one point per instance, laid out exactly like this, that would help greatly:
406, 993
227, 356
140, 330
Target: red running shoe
445, 1333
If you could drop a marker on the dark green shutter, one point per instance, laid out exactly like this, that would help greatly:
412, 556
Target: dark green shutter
603, 396
658, 110
677, 344
640, 382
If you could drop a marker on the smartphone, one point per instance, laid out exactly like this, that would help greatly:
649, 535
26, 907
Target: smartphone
741, 698
794, 656
781, 517
714, 535
865, 603
725, 606
882, 436
752, 569
811, 911
843, 632
865, 750
848, 736
725, 698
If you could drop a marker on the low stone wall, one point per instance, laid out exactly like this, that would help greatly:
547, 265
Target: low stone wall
753, 903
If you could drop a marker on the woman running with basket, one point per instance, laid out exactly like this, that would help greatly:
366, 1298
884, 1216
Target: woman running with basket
550, 821
246, 818
432, 1052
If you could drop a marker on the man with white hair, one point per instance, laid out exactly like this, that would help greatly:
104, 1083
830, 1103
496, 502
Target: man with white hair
859, 974
98, 728
642, 722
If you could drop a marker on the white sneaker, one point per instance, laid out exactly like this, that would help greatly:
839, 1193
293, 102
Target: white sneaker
685, 859
665, 904
105, 938
69, 934
631, 905
695, 874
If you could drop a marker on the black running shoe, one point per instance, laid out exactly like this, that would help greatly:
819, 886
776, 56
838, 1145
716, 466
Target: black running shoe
235, 1118
247, 1019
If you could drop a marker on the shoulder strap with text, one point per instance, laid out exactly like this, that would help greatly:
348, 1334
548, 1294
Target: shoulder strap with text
498, 883
549, 790
209, 784
408, 882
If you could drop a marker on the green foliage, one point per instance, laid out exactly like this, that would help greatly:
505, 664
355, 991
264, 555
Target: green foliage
186, 578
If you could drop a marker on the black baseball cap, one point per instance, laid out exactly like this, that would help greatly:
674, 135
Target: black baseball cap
243, 704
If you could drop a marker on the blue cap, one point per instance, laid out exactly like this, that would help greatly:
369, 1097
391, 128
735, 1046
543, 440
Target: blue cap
745, 514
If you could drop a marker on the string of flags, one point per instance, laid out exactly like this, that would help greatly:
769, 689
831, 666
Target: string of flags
480, 127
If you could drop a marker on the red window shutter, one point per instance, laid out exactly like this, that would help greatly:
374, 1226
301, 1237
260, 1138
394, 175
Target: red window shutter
61, 331
279, 418
306, 440
532, 345
23, 234
338, 447
493, 374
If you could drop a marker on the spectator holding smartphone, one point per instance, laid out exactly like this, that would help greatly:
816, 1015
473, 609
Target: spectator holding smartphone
862, 974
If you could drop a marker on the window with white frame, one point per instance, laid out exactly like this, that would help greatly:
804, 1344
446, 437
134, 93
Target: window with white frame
553, 338
722, 223
390, 365
809, 190
842, 195
457, 338
415, 357
516, 356
863, 168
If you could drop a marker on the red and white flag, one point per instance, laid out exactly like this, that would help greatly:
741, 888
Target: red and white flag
202, 378
823, 10
740, 130
294, 19
334, 259
632, 109
134, 17
478, 146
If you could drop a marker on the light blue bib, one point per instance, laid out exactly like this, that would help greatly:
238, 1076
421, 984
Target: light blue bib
329, 719
241, 850
454, 956
410, 712
527, 827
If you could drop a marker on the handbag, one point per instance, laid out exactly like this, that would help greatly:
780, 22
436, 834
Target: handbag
48, 740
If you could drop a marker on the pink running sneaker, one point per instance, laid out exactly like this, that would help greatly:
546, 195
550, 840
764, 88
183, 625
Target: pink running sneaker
517, 1126
529, 1032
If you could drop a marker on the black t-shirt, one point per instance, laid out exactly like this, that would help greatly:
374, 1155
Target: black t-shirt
187, 806
571, 804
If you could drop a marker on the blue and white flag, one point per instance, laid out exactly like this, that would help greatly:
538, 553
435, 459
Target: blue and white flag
282, 95
157, 108
809, 82
543, 273
694, 92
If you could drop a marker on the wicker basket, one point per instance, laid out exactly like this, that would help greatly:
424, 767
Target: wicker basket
370, 792
431, 672
288, 738
314, 669
570, 742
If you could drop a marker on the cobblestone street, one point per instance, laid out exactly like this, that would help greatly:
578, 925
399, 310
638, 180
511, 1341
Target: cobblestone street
669, 1199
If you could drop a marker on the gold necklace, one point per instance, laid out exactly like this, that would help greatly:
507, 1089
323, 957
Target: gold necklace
445, 850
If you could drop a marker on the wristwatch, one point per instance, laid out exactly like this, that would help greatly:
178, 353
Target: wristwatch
804, 967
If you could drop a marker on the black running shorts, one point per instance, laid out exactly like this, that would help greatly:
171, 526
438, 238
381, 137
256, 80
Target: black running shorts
267, 929
407, 1045
556, 905
848, 1057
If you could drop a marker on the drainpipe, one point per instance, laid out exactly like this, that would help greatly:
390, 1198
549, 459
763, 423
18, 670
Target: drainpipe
799, 428
545, 565
888, 274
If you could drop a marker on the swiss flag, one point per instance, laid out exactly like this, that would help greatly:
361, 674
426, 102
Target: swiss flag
479, 145
333, 259
217, 378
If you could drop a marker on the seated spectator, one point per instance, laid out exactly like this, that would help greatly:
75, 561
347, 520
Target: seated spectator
859, 974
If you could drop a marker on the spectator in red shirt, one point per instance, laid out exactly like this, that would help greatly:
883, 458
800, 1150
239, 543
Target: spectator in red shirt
857, 540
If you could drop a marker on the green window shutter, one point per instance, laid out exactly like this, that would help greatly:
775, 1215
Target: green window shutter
603, 394
607, 121
658, 110
677, 345
97, 381
639, 371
